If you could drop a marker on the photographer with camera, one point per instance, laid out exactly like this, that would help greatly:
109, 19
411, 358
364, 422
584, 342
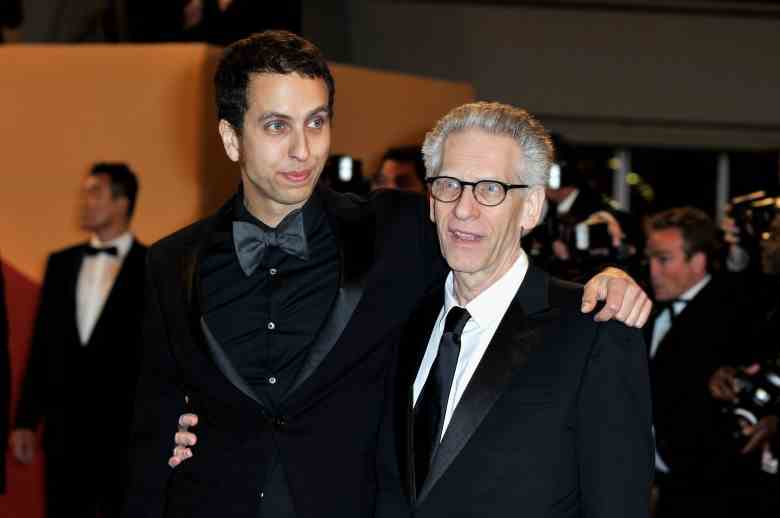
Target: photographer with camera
750, 396
698, 325
580, 231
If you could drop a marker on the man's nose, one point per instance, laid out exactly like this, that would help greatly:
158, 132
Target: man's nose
467, 206
299, 146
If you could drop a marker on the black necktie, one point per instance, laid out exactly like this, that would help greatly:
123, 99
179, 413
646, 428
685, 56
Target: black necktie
110, 250
432, 403
251, 241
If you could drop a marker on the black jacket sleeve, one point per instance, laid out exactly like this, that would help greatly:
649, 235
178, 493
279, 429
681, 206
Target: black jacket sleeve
615, 444
159, 402
32, 401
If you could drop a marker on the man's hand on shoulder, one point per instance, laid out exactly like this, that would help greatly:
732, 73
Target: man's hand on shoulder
625, 300
184, 440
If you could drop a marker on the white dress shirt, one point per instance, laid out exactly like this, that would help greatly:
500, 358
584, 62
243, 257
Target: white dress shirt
664, 321
661, 326
565, 205
96, 278
487, 310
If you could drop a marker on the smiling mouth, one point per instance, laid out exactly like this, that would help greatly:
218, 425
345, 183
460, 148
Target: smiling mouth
297, 176
464, 237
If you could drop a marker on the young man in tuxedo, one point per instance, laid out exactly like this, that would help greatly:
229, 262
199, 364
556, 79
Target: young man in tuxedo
278, 319
84, 356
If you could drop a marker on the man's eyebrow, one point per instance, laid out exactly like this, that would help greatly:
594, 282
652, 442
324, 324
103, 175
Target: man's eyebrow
274, 115
318, 110
278, 115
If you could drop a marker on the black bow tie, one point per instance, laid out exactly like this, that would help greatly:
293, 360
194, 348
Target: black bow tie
110, 250
669, 305
251, 241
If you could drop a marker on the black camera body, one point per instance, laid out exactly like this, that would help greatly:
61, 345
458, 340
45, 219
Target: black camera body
757, 396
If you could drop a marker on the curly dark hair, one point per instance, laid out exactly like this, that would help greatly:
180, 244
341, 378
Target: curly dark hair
271, 52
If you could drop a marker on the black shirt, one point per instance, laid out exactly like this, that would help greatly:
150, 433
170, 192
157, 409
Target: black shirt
266, 322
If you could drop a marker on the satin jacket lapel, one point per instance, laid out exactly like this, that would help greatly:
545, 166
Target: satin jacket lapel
73, 281
517, 335
224, 364
217, 229
354, 231
413, 345
680, 323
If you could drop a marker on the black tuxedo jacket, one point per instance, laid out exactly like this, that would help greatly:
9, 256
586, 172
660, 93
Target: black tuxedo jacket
78, 390
325, 432
555, 421
707, 334
5, 382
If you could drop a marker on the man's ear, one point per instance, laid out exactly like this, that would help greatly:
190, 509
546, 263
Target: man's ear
122, 204
698, 262
532, 207
230, 140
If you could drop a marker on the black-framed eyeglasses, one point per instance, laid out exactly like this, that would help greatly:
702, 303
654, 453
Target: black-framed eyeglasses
487, 192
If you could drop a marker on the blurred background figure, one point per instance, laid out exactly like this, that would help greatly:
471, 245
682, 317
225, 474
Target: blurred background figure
222, 22
83, 362
10, 19
218, 22
700, 323
401, 168
581, 230
5, 381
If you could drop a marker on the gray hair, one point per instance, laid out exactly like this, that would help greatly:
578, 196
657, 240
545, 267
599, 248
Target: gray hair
494, 119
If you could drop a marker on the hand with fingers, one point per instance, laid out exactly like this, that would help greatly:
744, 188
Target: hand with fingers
23, 445
761, 434
625, 300
723, 384
184, 440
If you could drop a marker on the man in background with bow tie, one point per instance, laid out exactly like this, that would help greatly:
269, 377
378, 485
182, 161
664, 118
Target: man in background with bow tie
277, 320
83, 361
699, 324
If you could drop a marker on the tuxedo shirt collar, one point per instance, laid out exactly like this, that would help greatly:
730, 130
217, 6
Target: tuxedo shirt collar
488, 308
123, 243
565, 205
694, 290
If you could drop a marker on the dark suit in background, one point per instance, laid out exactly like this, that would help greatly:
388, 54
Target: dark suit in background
5, 381
79, 392
311, 452
554, 422
707, 473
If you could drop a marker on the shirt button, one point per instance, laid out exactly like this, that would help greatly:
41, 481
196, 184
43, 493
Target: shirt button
271, 326
273, 271
272, 380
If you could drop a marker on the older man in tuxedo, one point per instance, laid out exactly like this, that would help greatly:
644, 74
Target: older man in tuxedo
510, 401
84, 356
